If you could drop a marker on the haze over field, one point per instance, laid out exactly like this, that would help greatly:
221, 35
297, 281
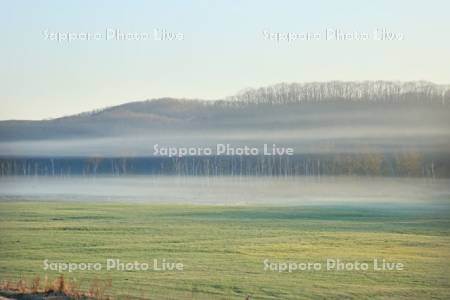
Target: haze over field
230, 190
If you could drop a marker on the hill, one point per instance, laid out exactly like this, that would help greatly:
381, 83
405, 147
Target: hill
339, 115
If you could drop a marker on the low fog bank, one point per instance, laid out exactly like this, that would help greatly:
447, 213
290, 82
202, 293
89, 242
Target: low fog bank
306, 127
230, 190
313, 140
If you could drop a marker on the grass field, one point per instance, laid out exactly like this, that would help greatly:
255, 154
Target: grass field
223, 248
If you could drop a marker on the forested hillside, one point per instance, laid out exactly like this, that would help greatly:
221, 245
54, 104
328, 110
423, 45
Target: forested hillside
333, 127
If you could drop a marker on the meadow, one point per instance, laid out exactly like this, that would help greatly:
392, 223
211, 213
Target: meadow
223, 248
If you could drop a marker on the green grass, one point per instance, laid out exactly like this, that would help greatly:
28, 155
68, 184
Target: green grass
223, 248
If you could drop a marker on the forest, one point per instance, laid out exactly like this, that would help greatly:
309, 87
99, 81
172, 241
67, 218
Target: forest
409, 164
378, 128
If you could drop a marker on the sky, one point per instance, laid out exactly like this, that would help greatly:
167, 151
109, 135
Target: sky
221, 47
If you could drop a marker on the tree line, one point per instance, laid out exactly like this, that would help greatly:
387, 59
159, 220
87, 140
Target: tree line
411, 164
368, 91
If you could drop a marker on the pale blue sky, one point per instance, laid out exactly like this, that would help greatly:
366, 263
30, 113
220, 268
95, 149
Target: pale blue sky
223, 50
